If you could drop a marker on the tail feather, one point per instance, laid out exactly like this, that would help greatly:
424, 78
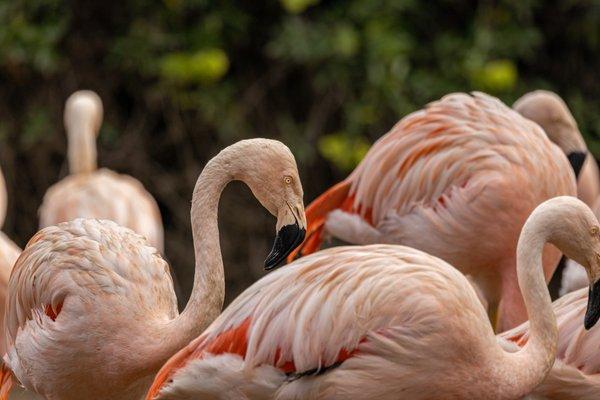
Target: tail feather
316, 214
6, 382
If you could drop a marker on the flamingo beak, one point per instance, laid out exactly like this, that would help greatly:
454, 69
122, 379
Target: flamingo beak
592, 314
288, 238
576, 159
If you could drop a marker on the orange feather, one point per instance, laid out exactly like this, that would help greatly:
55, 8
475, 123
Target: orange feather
6, 382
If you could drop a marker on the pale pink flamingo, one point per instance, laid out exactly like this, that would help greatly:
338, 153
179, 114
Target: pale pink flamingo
88, 192
91, 311
576, 371
382, 322
456, 180
550, 111
9, 252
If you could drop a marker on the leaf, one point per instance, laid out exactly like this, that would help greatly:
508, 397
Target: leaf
297, 6
204, 66
496, 76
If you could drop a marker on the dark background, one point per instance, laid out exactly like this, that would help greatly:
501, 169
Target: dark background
180, 80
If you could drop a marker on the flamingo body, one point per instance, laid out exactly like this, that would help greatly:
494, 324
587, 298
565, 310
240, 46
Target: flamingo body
443, 180
66, 306
104, 194
335, 322
91, 311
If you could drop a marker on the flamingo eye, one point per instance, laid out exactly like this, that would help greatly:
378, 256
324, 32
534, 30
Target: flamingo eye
594, 230
287, 180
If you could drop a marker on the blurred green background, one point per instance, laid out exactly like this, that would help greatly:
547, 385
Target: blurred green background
182, 79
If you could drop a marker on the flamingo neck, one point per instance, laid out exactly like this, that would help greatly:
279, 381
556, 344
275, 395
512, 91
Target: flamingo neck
3, 199
208, 293
82, 145
524, 370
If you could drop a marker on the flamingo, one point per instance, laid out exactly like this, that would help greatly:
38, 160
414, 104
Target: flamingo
443, 180
575, 374
550, 111
91, 312
9, 252
382, 321
91, 193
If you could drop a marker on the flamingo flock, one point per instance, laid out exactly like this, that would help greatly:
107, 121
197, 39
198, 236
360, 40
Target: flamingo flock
454, 221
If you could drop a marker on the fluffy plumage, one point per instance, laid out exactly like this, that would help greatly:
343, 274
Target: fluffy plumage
576, 372
66, 302
378, 321
446, 180
104, 194
92, 312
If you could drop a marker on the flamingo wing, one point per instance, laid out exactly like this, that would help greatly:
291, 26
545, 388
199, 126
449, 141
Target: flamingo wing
327, 308
436, 163
81, 268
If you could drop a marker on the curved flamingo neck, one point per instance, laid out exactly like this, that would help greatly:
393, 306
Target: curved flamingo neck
208, 293
522, 371
3, 199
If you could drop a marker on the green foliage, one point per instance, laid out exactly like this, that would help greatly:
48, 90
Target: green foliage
30, 32
496, 76
297, 6
297, 69
205, 66
36, 126
181, 79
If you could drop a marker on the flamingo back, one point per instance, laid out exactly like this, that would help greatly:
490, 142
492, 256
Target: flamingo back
338, 305
104, 194
444, 178
65, 297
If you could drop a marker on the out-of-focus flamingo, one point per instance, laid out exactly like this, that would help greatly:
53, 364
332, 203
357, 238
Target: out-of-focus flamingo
456, 180
91, 311
576, 371
9, 252
89, 192
550, 111
382, 321
552, 114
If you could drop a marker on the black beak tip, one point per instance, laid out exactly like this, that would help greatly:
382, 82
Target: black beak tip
589, 323
576, 159
592, 314
288, 238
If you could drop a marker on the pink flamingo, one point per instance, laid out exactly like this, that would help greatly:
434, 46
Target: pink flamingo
382, 321
91, 312
552, 114
91, 193
550, 111
456, 180
9, 252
